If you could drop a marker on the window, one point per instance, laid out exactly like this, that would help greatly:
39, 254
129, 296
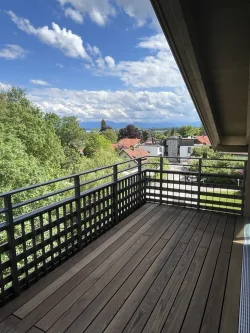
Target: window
189, 150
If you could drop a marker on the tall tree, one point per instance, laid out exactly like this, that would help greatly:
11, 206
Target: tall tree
145, 135
172, 131
130, 131
104, 126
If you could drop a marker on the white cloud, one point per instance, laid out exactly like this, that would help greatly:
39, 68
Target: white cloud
98, 17
93, 50
156, 42
100, 11
75, 15
40, 82
154, 71
119, 106
4, 87
110, 62
59, 65
70, 44
11, 51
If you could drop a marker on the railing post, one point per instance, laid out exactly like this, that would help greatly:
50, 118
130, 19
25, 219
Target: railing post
161, 178
244, 187
115, 193
199, 183
11, 243
139, 181
78, 210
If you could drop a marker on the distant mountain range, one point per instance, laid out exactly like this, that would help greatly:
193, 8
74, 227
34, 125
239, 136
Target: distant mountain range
114, 125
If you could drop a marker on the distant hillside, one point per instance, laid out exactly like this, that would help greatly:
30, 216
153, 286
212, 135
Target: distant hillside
114, 125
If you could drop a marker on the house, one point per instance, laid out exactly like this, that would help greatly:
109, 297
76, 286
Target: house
202, 139
153, 149
130, 154
176, 146
128, 143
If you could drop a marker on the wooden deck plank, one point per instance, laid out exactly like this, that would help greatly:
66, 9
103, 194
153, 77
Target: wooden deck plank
163, 307
52, 276
65, 320
71, 298
159, 215
129, 218
185, 239
73, 316
152, 214
230, 312
143, 312
226, 245
158, 224
50, 289
8, 323
206, 239
196, 308
211, 319
35, 330
128, 309
162, 269
175, 318
69, 293
164, 304
102, 320
39, 312
53, 316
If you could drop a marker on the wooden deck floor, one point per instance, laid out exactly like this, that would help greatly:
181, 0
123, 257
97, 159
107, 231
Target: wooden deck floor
163, 269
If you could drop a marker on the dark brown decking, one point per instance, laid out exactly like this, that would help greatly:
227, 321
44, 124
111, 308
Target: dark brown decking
163, 269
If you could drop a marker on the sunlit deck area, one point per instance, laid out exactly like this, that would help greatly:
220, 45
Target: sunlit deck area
162, 269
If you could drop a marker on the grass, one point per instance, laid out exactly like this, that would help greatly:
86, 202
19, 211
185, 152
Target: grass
221, 202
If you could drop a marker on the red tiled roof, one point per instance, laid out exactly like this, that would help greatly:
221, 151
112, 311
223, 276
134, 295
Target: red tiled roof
127, 143
203, 139
136, 153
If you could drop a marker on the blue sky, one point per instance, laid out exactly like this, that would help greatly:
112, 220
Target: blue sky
93, 59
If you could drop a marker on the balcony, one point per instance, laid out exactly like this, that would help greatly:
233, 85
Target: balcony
154, 251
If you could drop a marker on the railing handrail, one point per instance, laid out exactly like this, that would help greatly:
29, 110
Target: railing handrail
31, 187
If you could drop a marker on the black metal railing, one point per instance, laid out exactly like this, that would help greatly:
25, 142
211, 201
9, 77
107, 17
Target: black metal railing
42, 225
212, 184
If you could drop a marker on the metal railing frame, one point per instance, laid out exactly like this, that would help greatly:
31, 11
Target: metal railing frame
90, 213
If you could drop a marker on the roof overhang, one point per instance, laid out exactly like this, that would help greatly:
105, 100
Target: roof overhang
210, 41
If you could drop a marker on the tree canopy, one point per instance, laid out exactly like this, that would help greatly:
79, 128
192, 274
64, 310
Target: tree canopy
189, 130
130, 131
104, 126
36, 147
95, 143
67, 129
110, 135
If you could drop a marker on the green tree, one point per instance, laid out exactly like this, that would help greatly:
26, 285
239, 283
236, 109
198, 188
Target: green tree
172, 131
204, 152
20, 119
189, 130
145, 135
94, 143
130, 131
110, 135
104, 126
67, 129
